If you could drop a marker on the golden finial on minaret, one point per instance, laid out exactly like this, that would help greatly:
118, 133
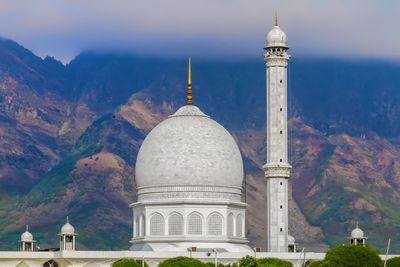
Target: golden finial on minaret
189, 98
276, 18
26, 228
67, 219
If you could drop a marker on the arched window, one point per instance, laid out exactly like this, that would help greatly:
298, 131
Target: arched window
195, 224
137, 226
50, 263
157, 224
214, 224
175, 224
239, 225
230, 225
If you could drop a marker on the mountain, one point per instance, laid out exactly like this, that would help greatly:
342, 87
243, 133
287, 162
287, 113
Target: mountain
70, 134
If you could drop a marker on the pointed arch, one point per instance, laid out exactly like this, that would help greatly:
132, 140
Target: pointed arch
175, 224
214, 224
22, 264
239, 225
230, 227
157, 224
142, 225
195, 223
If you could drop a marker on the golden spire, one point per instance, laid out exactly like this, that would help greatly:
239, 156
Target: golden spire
26, 228
67, 219
189, 99
276, 18
357, 224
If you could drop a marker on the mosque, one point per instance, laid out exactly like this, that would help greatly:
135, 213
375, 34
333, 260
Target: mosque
189, 175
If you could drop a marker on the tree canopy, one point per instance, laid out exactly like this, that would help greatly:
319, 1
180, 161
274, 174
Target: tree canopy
352, 256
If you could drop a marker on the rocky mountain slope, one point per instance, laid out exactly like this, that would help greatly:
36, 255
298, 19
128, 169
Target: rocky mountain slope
69, 137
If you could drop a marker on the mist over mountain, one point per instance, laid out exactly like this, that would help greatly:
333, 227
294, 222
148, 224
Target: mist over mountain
69, 136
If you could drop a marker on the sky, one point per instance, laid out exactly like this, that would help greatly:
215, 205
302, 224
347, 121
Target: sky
223, 29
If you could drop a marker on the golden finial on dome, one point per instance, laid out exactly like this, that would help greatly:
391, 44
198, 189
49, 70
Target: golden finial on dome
26, 228
67, 219
189, 98
276, 18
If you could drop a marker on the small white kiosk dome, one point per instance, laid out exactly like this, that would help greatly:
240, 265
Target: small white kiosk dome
357, 236
27, 236
67, 229
357, 233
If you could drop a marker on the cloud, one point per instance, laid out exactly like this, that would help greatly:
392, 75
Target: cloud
204, 28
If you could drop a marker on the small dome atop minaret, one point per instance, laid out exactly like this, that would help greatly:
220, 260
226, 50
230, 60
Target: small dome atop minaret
357, 232
26, 236
67, 228
276, 37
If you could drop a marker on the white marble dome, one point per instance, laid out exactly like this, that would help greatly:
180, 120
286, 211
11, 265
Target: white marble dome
276, 38
189, 149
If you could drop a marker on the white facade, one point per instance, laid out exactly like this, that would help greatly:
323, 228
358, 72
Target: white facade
189, 174
277, 169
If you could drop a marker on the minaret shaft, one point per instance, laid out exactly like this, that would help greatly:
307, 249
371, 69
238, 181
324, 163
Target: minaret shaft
277, 169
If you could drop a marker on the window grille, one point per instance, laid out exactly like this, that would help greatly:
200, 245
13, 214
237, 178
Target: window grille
157, 224
214, 224
175, 224
195, 224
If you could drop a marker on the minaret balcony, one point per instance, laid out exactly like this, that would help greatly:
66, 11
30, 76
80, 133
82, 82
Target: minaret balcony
277, 170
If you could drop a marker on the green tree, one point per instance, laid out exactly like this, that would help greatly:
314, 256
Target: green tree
248, 261
129, 263
352, 256
393, 262
181, 262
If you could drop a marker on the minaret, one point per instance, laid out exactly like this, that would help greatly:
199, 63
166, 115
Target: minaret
277, 169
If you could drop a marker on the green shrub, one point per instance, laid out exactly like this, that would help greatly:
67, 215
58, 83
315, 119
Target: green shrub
181, 262
248, 261
274, 262
393, 262
352, 256
129, 263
